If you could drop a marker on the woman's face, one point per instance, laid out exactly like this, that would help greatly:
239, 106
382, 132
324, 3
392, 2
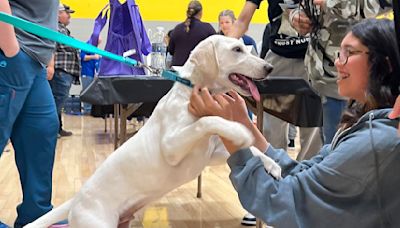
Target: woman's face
353, 68
225, 24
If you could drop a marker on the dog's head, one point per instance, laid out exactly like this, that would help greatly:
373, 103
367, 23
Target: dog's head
222, 63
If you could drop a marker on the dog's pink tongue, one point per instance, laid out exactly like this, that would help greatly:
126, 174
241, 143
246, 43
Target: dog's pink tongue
253, 89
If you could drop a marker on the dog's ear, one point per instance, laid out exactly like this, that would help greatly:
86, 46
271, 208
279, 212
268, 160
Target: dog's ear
204, 59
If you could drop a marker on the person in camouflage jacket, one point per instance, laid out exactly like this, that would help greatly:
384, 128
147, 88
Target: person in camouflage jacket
327, 21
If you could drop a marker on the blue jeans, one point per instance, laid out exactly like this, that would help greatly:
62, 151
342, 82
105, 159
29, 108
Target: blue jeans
86, 80
29, 119
60, 86
332, 113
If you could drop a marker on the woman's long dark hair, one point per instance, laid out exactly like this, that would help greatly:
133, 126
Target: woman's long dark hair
384, 72
194, 8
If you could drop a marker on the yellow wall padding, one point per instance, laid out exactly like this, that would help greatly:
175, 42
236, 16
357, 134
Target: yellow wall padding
171, 10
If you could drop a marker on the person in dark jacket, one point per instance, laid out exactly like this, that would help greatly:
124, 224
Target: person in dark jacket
349, 183
188, 34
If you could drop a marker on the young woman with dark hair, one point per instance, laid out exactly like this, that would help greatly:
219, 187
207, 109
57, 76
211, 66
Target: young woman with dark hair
352, 182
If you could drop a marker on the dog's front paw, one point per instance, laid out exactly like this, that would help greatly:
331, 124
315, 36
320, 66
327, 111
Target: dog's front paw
270, 165
235, 132
275, 170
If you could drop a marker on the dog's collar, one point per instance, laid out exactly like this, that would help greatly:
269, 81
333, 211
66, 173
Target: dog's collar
171, 75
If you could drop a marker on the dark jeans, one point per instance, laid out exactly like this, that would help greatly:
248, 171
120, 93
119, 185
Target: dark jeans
60, 86
28, 117
332, 113
86, 80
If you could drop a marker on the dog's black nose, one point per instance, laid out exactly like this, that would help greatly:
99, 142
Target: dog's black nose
268, 68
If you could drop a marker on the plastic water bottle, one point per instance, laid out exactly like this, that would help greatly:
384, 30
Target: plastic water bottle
159, 49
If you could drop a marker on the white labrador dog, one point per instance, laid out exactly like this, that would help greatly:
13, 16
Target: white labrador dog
173, 147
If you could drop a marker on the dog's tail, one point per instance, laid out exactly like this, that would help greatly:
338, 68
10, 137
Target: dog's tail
56, 215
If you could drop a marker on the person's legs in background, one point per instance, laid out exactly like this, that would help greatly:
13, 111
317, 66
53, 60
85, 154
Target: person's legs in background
275, 131
29, 119
60, 86
332, 113
14, 87
34, 138
86, 80
310, 141
292, 136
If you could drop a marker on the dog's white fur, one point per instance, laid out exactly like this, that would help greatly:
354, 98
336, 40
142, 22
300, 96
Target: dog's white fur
172, 148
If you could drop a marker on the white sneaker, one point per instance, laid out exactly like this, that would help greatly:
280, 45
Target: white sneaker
248, 220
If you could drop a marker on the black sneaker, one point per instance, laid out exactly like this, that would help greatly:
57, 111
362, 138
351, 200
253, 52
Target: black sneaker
291, 144
64, 133
249, 220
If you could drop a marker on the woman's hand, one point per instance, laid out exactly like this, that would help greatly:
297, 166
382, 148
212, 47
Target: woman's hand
8, 41
203, 104
12, 50
50, 72
230, 107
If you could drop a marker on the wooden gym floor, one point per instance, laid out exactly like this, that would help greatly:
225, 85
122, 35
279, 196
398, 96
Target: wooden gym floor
78, 156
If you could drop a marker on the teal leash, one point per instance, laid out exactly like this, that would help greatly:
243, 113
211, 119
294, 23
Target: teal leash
61, 38
69, 41
175, 77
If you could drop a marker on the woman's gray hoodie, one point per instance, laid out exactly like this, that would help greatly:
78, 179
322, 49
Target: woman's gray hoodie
336, 188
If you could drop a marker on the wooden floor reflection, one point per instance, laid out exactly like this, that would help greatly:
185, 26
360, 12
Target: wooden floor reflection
79, 155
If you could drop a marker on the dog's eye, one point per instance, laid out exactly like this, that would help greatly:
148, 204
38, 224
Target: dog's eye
237, 49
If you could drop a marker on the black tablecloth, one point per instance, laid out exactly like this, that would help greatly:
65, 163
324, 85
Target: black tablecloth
292, 100
126, 90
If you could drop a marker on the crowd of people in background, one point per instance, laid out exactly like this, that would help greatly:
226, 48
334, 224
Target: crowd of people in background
351, 61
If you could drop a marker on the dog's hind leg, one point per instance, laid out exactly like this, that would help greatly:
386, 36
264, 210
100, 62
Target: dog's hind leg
178, 144
85, 216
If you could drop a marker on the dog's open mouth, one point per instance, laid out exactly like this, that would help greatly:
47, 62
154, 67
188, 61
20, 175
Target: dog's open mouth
246, 84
